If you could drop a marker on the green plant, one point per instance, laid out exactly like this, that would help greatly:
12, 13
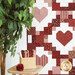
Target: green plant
13, 15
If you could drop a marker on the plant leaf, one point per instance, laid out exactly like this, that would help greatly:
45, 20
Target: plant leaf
21, 4
20, 16
24, 12
0, 23
17, 5
9, 1
0, 1
10, 26
32, 2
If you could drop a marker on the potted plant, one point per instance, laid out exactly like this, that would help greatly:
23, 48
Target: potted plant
13, 15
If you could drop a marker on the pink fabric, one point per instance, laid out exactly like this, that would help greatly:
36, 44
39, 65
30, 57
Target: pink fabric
53, 28
49, 2
40, 14
45, 40
61, 60
56, 70
37, 33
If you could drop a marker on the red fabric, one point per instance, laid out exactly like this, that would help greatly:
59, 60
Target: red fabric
64, 38
30, 53
23, 53
20, 67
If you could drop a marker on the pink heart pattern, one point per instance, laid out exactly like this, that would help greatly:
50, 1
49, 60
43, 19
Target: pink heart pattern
40, 14
43, 60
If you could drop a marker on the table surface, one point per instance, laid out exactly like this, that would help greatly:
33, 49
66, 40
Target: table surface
13, 70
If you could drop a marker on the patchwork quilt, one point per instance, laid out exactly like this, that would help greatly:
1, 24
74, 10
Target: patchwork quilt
52, 35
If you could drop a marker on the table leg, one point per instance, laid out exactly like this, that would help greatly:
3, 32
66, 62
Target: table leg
13, 74
37, 74
30, 74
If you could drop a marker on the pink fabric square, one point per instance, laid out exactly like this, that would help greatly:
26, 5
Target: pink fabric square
49, 52
49, 2
45, 40
58, 12
56, 70
37, 33
62, 60
74, 48
70, 12
64, 14
53, 28
74, 28
73, 1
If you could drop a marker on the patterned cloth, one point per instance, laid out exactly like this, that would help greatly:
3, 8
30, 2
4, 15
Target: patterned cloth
52, 35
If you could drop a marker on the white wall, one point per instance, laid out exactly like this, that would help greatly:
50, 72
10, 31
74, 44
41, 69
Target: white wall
21, 45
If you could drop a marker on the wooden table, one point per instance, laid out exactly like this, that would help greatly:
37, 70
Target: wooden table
25, 72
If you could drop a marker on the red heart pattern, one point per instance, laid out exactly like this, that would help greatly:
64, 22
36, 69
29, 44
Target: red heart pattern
64, 38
